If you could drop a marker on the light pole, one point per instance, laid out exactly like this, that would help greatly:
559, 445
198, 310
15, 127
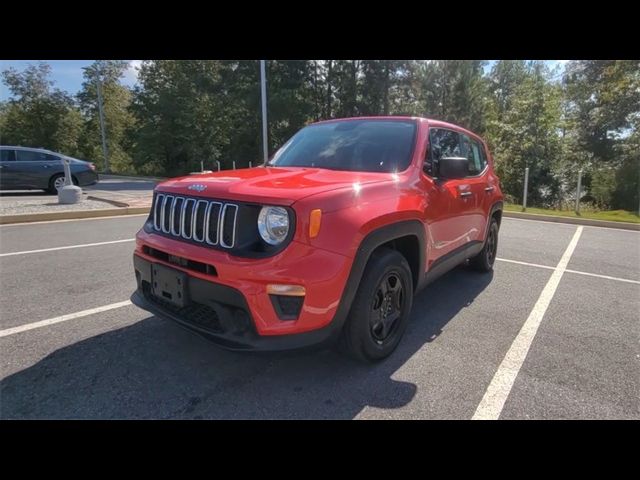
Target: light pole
263, 89
103, 133
526, 189
578, 192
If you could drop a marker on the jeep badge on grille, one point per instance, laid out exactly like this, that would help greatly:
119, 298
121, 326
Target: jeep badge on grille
198, 187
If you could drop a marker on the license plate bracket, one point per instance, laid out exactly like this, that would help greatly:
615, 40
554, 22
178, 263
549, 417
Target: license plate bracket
169, 284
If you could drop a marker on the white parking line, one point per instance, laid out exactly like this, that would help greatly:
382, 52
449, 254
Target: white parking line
570, 224
68, 247
63, 318
496, 395
606, 277
597, 275
113, 217
525, 263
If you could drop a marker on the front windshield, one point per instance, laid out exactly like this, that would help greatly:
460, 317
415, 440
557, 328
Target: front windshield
354, 145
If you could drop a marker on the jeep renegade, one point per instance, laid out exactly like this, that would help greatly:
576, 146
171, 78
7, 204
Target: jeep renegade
330, 239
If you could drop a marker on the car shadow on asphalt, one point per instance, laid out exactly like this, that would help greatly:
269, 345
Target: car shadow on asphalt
155, 369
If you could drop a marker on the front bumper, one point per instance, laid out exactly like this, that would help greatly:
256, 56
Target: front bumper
222, 314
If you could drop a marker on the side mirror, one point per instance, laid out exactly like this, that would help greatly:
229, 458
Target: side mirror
453, 167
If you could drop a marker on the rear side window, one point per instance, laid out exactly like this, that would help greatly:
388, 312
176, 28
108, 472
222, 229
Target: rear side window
7, 155
442, 143
474, 151
32, 156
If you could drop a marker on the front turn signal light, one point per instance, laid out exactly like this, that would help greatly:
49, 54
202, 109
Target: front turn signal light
287, 290
314, 222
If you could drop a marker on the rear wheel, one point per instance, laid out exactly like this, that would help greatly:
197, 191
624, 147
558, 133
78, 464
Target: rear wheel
380, 311
57, 182
484, 260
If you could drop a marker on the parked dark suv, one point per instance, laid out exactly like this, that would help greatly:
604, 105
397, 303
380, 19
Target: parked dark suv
24, 168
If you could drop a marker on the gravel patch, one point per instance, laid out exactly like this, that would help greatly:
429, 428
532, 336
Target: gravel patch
47, 205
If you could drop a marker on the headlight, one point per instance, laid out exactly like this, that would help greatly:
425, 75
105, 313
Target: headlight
273, 224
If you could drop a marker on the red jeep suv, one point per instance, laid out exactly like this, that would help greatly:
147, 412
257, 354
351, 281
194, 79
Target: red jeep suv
329, 239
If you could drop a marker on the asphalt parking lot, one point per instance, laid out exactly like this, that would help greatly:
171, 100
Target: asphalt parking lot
552, 333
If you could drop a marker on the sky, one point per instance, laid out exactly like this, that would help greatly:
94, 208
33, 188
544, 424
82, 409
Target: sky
67, 74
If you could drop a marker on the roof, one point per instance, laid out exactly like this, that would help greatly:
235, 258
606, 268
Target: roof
17, 147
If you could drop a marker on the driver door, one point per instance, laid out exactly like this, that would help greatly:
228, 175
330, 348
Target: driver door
450, 201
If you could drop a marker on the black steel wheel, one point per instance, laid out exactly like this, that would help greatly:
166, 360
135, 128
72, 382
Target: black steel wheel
380, 311
484, 260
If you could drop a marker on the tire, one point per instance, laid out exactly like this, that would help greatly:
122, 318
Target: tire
53, 190
484, 260
369, 334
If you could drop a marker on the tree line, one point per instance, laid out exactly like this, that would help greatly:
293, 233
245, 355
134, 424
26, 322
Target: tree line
182, 112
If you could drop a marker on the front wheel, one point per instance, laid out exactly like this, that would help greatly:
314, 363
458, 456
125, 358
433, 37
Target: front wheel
484, 260
380, 311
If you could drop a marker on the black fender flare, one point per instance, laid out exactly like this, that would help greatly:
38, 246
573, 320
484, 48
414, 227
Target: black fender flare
498, 206
371, 241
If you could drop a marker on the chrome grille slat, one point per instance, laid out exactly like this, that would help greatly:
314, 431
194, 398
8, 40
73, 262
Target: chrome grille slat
185, 208
207, 223
157, 215
170, 214
194, 220
166, 214
174, 211
221, 225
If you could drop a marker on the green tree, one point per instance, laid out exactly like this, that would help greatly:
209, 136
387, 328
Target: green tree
524, 132
602, 105
453, 91
181, 108
346, 85
37, 114
289, 98
118, 118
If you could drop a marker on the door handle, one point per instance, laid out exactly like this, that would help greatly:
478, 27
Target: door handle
489, 189
466, 194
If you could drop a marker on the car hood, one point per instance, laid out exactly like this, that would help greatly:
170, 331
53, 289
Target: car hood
276, 185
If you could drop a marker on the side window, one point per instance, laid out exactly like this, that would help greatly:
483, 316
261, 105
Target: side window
51, 158
483, 155
30, 156
7, 155
442, 143
473, 150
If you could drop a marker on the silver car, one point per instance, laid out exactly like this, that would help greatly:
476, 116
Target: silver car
23, 168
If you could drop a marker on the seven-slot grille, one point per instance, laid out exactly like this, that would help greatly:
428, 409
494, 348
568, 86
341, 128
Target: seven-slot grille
195, 219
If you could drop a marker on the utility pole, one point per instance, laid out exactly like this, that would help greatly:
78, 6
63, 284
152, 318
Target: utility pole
526, 189
263, 89
103, 133
578, 192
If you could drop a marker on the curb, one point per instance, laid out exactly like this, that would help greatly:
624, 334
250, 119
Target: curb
131, 177
572, 220
43, 217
